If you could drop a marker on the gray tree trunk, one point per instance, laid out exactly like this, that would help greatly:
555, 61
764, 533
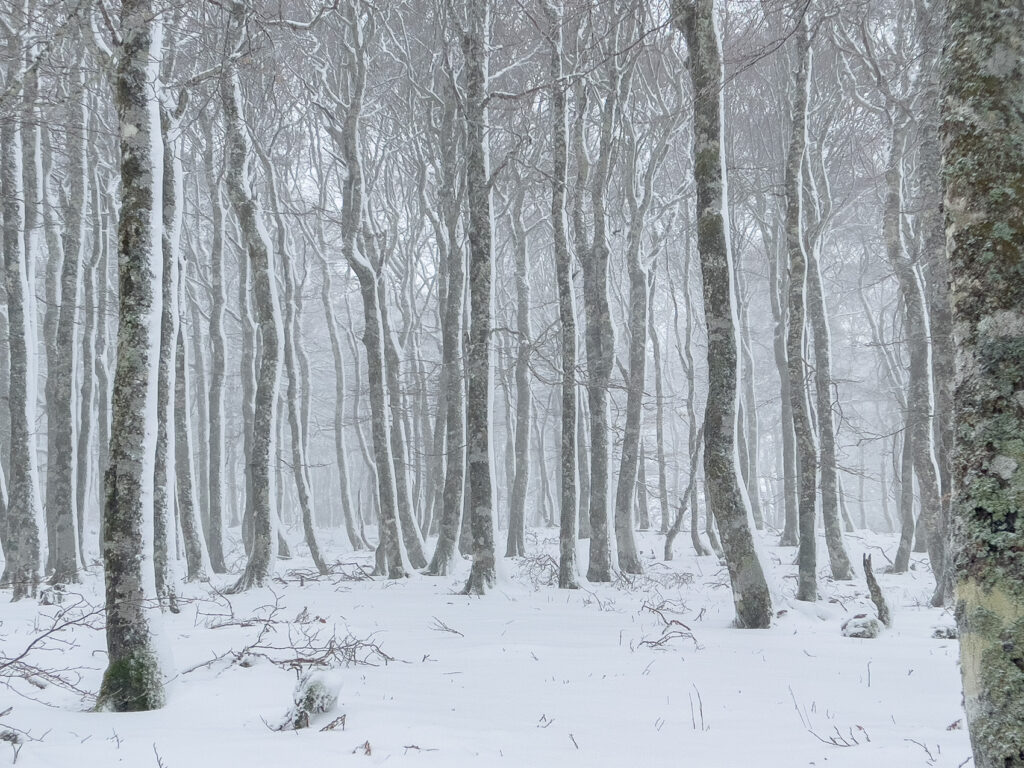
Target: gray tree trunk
353, 521
368, 274
164, 529
807, 587
600, 335
568, 511
516, 543
983, 158
259, 566
659, 410
60, 421
918, 428
218, 301
750, 590
22, 547
935, 264
133, 680
830, 489
475, 44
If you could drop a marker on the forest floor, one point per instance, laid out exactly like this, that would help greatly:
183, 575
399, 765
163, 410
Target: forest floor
644, 671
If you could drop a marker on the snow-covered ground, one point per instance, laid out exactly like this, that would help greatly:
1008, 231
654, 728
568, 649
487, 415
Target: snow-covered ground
527, 676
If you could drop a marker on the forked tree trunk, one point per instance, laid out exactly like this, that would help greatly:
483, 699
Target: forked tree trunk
260, 564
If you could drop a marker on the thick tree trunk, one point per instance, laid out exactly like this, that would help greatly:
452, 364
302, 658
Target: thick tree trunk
478, 354
983, 158
22, 547
750, 590
133, 678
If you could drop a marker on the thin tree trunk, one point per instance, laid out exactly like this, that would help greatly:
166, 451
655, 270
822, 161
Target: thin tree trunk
60, 421
516, 544
830, 487
568, 511
218, 300
807, 586
659, 412
260, 564
353, 523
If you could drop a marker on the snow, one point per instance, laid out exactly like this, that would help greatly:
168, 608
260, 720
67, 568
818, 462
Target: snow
528, 675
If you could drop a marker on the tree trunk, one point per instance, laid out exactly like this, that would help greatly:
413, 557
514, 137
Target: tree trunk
196, 558
516, 544
567, 533
750, 590
22, 550
390, 533
659, 412
983, 159
133, 679
478, 354
628, 557
830, 488
353, 522
60, 421
807, 460
260, 564
218, 300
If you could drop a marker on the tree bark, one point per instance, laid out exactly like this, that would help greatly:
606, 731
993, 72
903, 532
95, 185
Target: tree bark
983, 158
807, 460
60, 421
22, 550
133, 679
568, 511
260, 564
750, 590
478, 354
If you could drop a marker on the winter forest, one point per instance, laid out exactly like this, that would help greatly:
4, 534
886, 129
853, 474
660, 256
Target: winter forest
551, 382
